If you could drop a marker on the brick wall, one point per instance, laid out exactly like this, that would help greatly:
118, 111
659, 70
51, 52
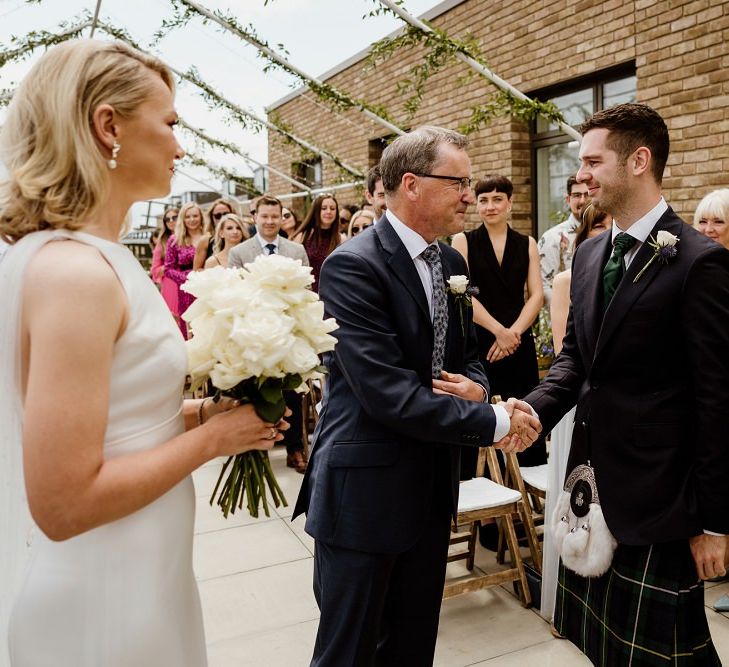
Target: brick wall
681, 53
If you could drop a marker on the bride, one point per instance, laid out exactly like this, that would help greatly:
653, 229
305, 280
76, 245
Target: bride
95, 434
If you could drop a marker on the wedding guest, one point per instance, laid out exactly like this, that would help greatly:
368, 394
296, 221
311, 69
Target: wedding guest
360, 221
376, 192
289, 222
105, 459
712, 216
319, 233
229, 232
181, 253
345, 215
593, 223
654, 433
205, 247
557, 244
167, 286
503, 265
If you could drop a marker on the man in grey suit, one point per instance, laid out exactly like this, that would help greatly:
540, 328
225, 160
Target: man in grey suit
267, 242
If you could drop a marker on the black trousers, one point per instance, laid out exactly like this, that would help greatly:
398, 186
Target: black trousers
293, 437
381, 609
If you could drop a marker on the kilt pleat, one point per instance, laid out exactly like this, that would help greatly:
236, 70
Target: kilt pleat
646, 610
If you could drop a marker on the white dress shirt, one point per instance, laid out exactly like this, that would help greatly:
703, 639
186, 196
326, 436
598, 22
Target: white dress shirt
415, 245
640, 229
264, 243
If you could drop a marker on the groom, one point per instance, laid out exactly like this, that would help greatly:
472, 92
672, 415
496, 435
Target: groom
646, 359
382, 483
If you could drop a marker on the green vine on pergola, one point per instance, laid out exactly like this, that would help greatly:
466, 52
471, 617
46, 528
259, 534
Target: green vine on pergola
336, 98
442, 51
223, 173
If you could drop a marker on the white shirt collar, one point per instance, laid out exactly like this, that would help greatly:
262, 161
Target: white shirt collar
413, 242
642, 227
264, 243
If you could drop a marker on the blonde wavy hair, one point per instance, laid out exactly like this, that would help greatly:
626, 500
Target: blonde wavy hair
182, 237
57, 175
218, 240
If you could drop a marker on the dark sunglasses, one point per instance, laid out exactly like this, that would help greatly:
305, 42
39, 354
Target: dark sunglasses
357, 230
286, 216
170, 218
217, 216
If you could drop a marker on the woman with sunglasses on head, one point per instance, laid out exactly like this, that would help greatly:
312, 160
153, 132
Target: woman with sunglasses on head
360, 221
96, 443
229, 232
205, 246
181, 253
319, 233
167, 286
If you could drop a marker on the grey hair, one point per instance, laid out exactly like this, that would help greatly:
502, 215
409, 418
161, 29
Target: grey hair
415, 152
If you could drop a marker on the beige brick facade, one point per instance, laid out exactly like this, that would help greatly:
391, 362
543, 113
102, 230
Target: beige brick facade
679, 48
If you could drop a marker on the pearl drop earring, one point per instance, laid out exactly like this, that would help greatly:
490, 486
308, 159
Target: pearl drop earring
114, 152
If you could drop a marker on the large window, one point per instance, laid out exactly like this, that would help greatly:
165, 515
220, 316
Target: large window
554, 152
308, 172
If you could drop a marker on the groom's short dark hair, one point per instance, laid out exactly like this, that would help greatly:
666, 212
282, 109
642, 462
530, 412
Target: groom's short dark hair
632, 126
415, 152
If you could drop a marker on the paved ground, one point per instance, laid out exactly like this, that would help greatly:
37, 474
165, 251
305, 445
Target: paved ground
255, 585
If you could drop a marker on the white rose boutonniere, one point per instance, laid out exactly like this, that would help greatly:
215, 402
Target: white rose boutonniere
462, 292
664, 250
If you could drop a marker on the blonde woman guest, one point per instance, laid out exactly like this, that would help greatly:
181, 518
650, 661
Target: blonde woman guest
167, 286
205, 246
360, 221
181, 253
229, 232
712, 216
104, 457
593, 222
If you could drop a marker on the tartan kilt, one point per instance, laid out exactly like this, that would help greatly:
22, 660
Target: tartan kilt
646, 610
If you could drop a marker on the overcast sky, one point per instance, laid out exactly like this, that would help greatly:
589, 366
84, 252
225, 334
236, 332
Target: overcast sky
318, 34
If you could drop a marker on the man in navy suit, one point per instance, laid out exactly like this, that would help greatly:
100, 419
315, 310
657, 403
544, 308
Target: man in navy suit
405, 391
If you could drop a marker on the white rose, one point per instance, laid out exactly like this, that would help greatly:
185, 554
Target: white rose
458, 284
664, 238
301, 358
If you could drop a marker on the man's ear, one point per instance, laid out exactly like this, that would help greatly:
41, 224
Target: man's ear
640, 161
410, 186
106, 131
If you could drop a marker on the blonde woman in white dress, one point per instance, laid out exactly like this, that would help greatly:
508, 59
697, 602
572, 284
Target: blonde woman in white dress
95, 431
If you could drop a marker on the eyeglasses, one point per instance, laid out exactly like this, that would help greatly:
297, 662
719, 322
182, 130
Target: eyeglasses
217, 216
357, 230
286, 216
464, 182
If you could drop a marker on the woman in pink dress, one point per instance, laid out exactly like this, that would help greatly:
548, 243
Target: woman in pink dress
181, 253
167, 286
319, 233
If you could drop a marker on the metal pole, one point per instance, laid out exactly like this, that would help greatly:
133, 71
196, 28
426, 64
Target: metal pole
473, 64
282, 61
96, 18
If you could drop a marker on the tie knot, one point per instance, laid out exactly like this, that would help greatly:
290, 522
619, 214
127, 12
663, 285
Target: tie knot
431, 254
271, 247
623, 243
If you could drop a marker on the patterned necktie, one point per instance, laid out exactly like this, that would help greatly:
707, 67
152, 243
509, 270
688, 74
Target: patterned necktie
614, 270
440, 308
271, 247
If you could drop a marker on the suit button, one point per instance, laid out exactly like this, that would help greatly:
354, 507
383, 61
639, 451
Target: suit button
595, 386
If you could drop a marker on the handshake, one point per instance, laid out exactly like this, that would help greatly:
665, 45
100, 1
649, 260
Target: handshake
524, 427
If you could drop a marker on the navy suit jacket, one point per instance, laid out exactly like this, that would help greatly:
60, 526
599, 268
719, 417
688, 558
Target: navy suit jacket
651, 381
386, 450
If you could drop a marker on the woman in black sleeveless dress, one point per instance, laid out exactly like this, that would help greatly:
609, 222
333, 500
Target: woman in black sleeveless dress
502, 263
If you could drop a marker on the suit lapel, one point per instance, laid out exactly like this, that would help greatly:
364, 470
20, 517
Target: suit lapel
590, 312
628, 290
402, 264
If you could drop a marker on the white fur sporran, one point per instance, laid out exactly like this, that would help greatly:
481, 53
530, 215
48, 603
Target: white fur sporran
583, 540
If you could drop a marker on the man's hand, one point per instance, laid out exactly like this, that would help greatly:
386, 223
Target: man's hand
459, 385
525, 426
709, 552
515, 404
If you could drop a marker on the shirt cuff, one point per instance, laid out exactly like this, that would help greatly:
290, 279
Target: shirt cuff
503, 423
711, 532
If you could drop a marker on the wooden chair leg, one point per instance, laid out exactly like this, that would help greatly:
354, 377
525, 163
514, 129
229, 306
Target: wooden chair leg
513, 544
470, 561
501, 548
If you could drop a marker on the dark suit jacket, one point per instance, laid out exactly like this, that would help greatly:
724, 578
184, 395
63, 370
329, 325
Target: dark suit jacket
385, 451
651, 383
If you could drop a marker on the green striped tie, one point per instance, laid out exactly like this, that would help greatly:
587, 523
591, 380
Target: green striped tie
614, 270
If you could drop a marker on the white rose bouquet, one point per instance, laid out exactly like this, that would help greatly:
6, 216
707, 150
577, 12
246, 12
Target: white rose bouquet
256, 332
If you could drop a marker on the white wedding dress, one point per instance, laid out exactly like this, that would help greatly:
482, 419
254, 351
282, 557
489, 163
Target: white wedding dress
123, 594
